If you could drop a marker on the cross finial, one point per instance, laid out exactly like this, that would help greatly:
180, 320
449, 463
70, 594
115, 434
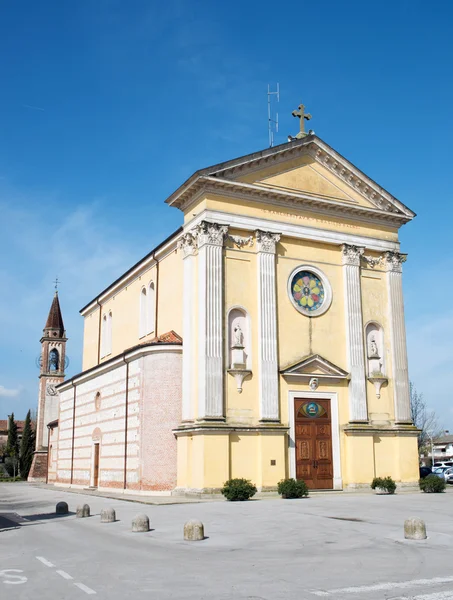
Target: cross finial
302, 116
56, 282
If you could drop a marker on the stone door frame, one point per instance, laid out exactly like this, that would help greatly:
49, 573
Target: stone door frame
333, 398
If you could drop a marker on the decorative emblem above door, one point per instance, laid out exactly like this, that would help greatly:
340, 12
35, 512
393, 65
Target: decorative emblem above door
309, 291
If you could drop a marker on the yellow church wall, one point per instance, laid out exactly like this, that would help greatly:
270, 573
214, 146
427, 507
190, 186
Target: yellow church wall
90, 339
273, 447
407, 458
125, 308
170, 295
240, 276
359, 459
375, 308
184, 461
300, 336
244, 449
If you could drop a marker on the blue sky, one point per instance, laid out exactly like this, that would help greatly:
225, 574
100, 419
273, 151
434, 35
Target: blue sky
106, 106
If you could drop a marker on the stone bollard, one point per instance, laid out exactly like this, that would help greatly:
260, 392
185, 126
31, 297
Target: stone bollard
193, 531
83, 511
414, 529
140, 523
108, 515
62, 508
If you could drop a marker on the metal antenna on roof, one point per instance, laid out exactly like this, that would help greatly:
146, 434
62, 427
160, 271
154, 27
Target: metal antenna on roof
272, 123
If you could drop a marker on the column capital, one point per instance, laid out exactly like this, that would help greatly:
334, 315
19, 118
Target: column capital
351, 255
393, 261
188, 243
267, 241
210, 233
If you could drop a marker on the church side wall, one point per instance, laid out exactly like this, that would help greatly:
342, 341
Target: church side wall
153, 402
160, 409
124, 306
100, 412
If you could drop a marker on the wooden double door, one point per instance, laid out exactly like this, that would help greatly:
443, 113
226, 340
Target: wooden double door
313, 429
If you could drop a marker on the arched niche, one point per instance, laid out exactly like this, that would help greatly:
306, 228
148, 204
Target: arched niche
375, 350
239, 338
54, 360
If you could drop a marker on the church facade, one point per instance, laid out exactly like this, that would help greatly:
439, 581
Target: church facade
264, 339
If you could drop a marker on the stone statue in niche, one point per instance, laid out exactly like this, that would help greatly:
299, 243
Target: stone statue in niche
238, 336
375, 351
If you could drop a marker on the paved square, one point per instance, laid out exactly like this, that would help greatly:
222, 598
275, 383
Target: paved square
341, 546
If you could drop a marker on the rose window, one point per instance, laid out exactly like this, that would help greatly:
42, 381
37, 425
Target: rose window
309, 291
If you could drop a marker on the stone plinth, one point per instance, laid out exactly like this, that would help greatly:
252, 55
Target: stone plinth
108, 515
193, 531
414, 529
140, 523
62, 508
83, 511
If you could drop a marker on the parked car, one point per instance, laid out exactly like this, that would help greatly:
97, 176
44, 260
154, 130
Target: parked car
424, 472
447, 463
444, 473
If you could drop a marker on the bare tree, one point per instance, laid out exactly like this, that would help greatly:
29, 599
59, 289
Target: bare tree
424, 419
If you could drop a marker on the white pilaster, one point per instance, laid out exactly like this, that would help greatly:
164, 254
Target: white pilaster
267, 326
393, 265
188, 244
210, 319
354, 332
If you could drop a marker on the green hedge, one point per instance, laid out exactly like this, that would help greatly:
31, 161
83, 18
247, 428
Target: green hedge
432, 484
292, 488
238, 489
385, 484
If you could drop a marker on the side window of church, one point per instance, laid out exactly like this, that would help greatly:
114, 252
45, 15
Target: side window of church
106, 334
147, 310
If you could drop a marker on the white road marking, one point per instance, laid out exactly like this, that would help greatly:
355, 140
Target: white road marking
435, 596
12, 579
84, 588
64, 574
45, 561
391, 585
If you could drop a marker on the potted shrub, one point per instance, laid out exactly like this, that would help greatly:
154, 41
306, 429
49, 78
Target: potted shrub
238, 489
292, 488
385, 484
432, 484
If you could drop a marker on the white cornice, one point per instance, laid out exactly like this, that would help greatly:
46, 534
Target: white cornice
315, 234
284, 198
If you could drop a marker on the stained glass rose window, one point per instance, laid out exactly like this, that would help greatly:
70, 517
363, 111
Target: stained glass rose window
309, 291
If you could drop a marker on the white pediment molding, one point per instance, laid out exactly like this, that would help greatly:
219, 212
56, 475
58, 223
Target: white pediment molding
315, 367
383, 201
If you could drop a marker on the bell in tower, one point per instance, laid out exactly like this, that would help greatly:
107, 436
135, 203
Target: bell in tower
52, 372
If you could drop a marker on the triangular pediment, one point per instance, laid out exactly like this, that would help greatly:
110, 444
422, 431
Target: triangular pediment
314, 366
302, 173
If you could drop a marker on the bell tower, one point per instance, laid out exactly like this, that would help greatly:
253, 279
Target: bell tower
52, 371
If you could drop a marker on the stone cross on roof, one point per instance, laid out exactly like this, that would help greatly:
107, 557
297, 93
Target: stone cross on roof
302, 116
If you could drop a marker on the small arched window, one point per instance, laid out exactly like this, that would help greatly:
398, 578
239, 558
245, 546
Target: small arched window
143, 313
54, 360
151, 308
104, 336
109, 333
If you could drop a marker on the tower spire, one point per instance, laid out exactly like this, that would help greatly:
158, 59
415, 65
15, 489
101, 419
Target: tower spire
55, 318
